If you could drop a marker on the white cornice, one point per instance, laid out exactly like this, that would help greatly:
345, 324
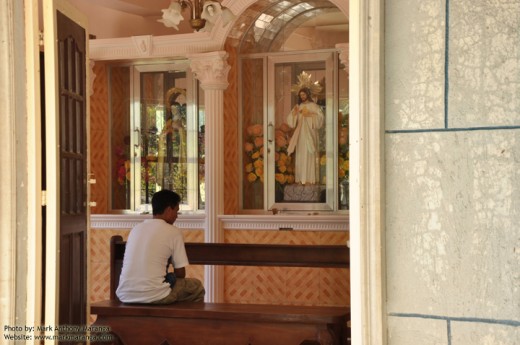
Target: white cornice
233, 222
168, 46
128, 221
286, 222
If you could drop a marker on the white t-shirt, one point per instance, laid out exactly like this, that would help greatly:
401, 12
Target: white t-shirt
148, 248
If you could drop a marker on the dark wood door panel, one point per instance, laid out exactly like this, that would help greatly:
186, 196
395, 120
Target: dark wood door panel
73, 171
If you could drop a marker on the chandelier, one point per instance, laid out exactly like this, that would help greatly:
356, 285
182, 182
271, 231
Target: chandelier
203, 14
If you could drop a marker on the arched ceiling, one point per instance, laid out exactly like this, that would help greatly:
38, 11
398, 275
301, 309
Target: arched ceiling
267, 24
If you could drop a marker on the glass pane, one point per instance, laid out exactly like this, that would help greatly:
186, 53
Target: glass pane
253, 134
300, 132
201, 126
163, 140
119, 88
343, 140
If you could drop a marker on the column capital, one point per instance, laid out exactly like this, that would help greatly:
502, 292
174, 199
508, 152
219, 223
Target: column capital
343, 54
211, 69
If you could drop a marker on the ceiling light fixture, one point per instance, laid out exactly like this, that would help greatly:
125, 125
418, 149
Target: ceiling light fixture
203, 14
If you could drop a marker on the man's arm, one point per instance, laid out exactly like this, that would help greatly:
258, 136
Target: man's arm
180, 272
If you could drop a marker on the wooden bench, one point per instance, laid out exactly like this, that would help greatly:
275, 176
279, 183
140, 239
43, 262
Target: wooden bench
226, 323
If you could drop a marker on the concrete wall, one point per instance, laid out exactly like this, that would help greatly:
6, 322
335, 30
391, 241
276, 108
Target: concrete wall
452, 119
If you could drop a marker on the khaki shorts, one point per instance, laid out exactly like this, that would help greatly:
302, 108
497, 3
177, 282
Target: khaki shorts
185, 289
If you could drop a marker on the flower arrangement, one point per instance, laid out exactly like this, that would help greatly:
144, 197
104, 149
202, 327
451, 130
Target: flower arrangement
254, 149
122, 166
284, 169
343, 152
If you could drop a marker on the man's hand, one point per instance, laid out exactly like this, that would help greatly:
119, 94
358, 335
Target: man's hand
180, 272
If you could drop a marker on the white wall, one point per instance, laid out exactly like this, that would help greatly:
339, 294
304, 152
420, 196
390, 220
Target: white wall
452, 172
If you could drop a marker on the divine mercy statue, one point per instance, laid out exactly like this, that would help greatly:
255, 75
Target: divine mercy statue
306, 118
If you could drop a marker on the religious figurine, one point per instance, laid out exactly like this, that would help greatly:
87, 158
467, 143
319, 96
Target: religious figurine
306, 118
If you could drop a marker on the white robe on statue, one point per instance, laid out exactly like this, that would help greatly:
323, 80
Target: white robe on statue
304, 141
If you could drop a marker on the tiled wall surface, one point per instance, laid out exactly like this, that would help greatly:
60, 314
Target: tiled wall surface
276, 285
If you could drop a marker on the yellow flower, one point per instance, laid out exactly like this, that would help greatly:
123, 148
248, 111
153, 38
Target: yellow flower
280, 178
260, 172
255, 155
251, 177
249, 167
345, 165
258, 164
282, 168
323, 160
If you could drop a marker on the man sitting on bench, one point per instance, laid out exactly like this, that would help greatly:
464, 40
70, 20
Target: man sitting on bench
152, 245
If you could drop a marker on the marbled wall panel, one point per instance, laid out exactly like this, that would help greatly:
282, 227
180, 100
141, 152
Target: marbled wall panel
452, 215
414, 64
413, 331
231, 174
287, 285
476, 333
484, 68
99, 139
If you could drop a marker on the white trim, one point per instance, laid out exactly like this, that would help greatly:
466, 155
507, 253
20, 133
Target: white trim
34, 167
128, 221
8, 166
368, 318
286, 222
231, 222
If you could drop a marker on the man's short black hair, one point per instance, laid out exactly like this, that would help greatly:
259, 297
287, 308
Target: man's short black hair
163, 199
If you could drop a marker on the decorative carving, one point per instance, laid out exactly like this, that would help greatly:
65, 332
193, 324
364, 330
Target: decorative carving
143, 44
211, 69
92, 63
343, 54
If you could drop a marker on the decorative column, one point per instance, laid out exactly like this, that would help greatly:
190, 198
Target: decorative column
343, 54
211, 69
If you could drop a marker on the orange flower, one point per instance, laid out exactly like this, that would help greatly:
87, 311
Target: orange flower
280, 141
260, 172
256, 130
259, 141
280, 178
251, 177
343, 136
255, 155
248, 147
259, 163
249, 167
285, 127
290, 179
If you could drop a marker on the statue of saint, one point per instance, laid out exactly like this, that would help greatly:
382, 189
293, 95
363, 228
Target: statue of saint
306, 118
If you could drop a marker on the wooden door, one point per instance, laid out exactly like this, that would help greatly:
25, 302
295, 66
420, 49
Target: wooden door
73, 172
66, 162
